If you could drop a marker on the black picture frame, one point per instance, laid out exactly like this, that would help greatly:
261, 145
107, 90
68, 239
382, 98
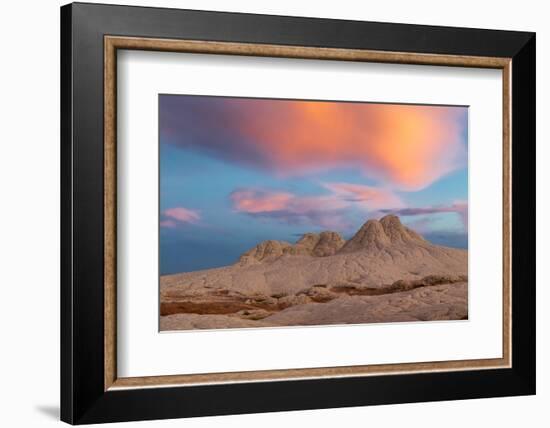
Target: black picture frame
83, 398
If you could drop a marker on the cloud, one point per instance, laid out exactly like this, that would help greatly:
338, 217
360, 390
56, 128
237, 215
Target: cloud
407, 147
256, 201
325, 211
173, 217
459, 207
371, 198
328, 211
168, 224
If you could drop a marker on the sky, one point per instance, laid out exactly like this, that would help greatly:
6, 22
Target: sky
237, 171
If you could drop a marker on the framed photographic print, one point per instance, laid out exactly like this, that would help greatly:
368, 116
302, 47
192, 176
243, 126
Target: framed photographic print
318, 213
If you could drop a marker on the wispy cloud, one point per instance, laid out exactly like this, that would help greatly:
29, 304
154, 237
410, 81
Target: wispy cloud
173, 217
171, 224
405, 147
369, 197
258, 201
329, 210
325, 211
458, 207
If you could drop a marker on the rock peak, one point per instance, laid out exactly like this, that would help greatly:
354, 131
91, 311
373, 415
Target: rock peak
390, 218
329, 243
370, 236
265, 251
322, 244
397, 232
376, 235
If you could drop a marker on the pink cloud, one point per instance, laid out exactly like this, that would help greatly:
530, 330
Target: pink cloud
405, 147
328, 211
179, 215
371, 198
168, 223
254, 201
325, 211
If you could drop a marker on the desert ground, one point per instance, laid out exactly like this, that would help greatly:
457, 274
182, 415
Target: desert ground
385, 273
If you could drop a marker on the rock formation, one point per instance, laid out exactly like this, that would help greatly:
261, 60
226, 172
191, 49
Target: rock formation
276, 278
377, 235
310, 244
265, 251
329, 244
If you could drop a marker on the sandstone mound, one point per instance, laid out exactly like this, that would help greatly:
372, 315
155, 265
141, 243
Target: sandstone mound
380, 253
329, 244
310, 244
304, 246
265, 251
399, 233
308, 241
377, 235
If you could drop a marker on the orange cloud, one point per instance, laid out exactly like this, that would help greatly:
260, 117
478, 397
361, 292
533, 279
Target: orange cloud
176, 215
406, 147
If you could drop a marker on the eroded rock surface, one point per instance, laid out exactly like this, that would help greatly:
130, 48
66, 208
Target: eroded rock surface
321, 279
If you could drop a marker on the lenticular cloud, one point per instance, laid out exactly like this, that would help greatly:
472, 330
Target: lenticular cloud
405, 147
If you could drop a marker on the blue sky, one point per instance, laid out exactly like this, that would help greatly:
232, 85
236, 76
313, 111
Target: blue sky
234, 172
